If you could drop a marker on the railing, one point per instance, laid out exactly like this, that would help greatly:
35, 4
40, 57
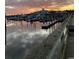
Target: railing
57, 51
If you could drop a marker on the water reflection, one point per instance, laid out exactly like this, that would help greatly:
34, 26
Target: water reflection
23, 36
28, 25
21, 28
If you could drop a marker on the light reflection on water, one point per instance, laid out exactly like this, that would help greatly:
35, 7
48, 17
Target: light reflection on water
26, 26
27, 29
23, 37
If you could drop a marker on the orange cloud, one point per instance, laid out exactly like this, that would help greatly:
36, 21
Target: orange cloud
67, 7
27, 10
21, 11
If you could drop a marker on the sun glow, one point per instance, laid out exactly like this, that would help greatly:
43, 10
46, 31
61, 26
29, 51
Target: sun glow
67, 7
27, 10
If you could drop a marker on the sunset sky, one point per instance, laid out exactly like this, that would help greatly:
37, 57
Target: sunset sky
27, 6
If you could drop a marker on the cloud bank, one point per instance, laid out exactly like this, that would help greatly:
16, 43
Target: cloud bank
28, 6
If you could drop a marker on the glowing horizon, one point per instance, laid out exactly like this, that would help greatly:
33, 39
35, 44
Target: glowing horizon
29, 6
